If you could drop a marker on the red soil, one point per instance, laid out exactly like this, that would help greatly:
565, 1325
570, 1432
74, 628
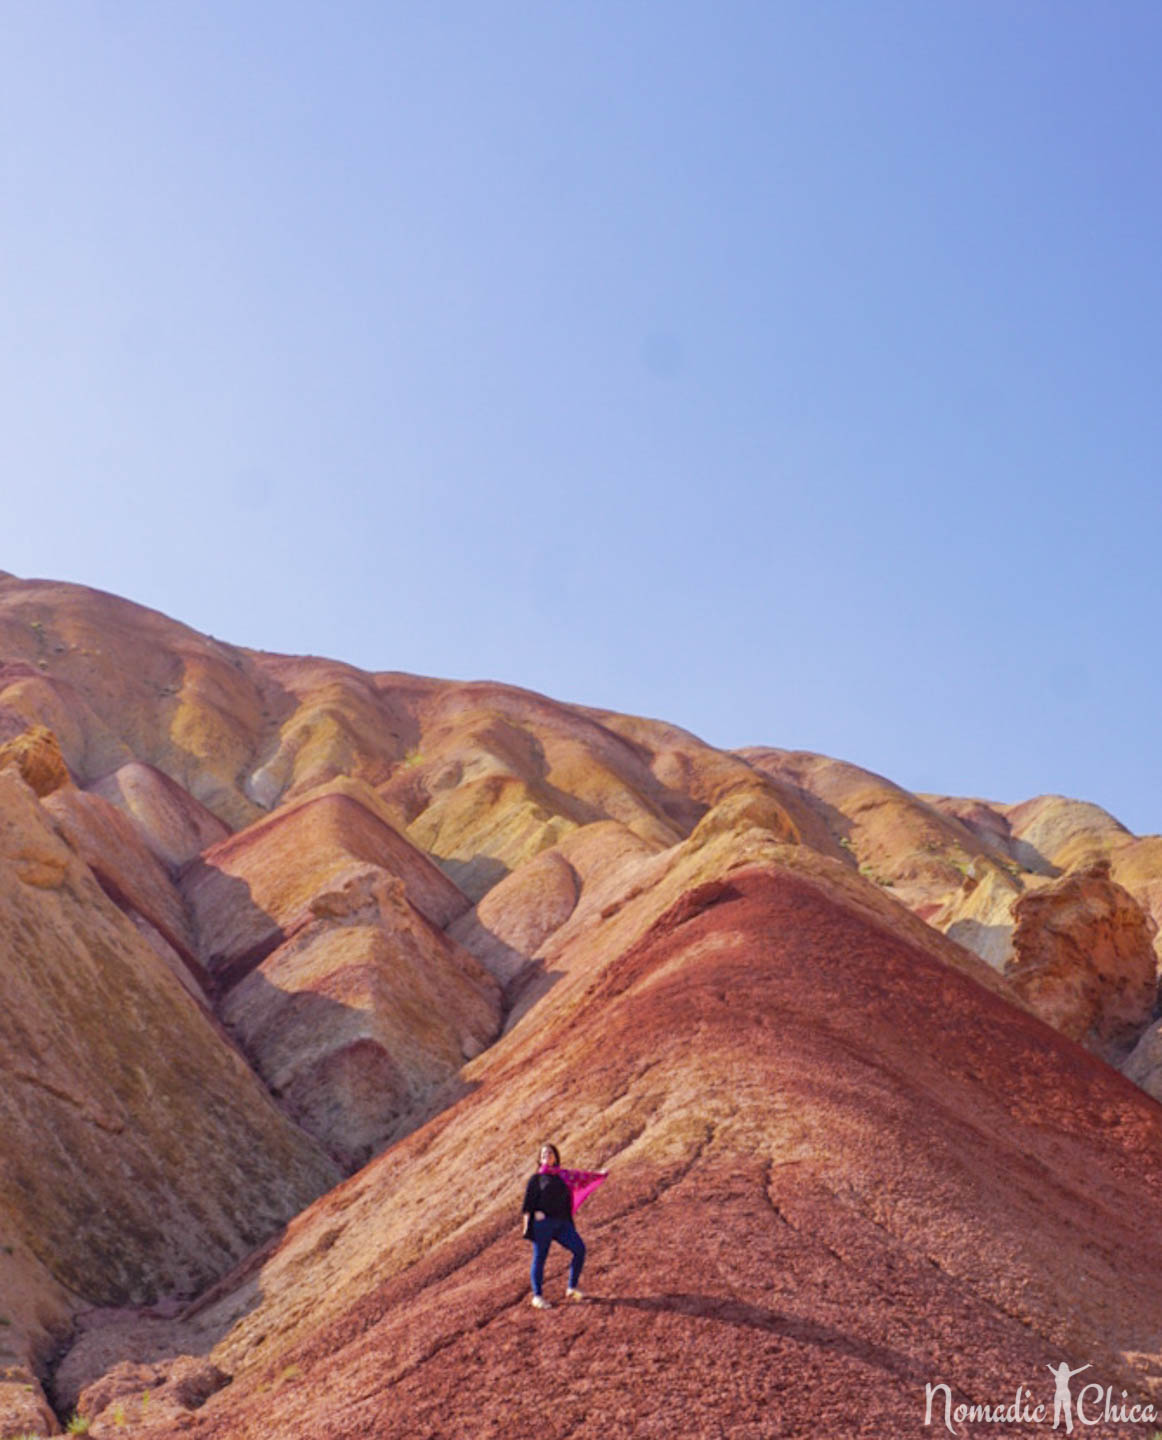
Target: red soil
853, 1172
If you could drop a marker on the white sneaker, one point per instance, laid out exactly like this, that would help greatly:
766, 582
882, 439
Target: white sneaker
540, 1303
573, 1294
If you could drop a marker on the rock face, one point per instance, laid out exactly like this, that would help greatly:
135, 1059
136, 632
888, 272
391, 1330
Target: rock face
117, 683
36, 757
140, 1153
832, 1158
979, 915
1050, 835
514, 919
35, 1308
1084, 960
898, 840
1066, 834
1079, 950
267, 919
251, 892
1137, 865
127, 871
355, 1021
987, 874
172, 824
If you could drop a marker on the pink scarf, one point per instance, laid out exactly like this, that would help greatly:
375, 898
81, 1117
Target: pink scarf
581, 1183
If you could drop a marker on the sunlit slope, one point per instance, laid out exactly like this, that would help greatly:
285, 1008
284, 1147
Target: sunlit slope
833, 1157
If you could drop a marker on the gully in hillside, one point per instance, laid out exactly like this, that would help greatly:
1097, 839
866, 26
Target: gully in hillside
551, 1197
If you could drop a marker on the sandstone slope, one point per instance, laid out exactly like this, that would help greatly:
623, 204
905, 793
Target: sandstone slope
1054, 892
897, 839
140, 1154
840, 1168
288, 916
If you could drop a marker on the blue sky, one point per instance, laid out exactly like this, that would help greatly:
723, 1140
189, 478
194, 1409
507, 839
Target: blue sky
789, 371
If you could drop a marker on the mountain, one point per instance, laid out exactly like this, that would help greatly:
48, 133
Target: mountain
301, 964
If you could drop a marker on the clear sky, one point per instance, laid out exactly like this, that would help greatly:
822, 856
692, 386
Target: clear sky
789, 371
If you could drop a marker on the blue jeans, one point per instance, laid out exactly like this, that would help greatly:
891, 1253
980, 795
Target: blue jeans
544, 1233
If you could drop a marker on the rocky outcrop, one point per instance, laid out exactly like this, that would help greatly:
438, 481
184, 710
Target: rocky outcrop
507, 928
165, 1392
482, 830
24, 1408
839, 1140
500, 776
129, 873
1083, 959
172, 824
335, 721
253, 891
987, 822
1137, 865
357, 1020
896, 839
35, 1311
36, 756
973, 868
1064, 834
754, 805
113, 849
831, 1155
1050, 835
119, 683
979, 915
141, 1155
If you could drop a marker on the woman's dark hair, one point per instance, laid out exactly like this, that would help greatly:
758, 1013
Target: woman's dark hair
556, 1153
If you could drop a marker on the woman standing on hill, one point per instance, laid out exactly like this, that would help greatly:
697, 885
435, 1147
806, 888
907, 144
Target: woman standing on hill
551, 1197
